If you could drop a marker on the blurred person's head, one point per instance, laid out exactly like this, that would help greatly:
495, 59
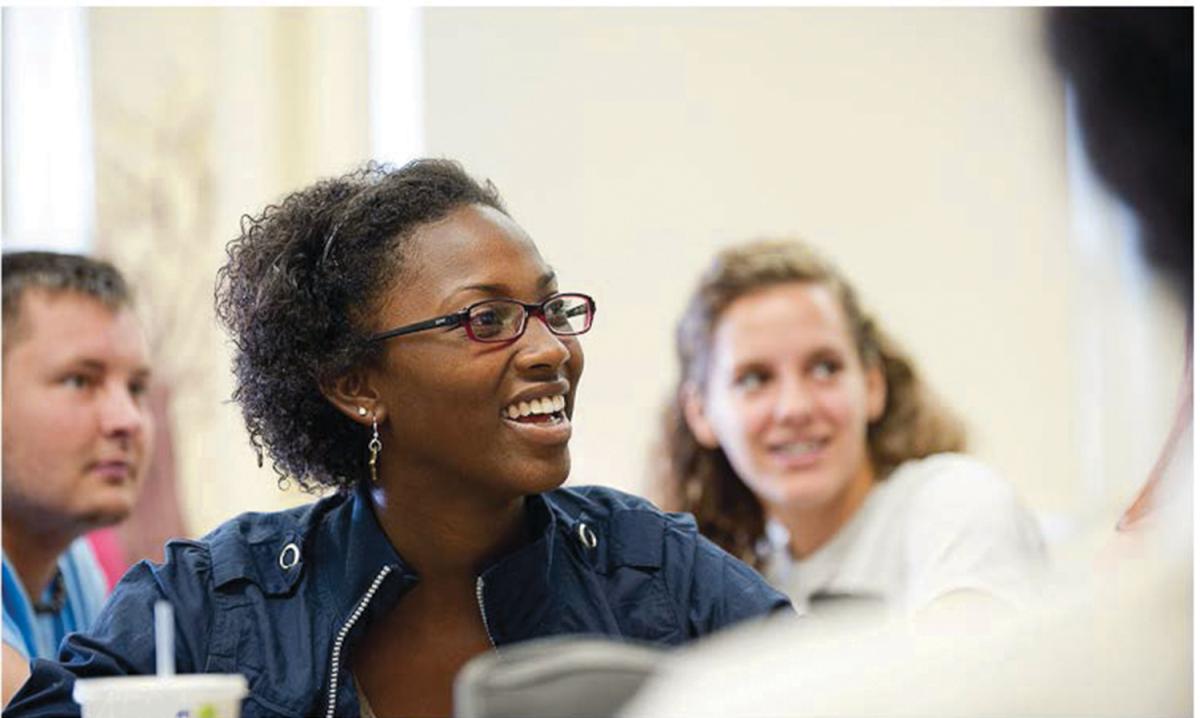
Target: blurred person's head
790, 397
77, 427
317, 285
1130, 71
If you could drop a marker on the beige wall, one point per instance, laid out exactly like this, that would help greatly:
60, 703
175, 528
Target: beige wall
202, 115
923, 149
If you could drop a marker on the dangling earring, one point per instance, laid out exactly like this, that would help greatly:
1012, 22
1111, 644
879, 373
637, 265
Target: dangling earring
374, 446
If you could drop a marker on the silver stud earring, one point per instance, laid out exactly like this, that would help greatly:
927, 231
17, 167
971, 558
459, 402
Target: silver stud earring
362, 411
374, 446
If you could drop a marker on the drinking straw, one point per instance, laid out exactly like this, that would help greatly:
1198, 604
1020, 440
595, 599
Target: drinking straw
164, 638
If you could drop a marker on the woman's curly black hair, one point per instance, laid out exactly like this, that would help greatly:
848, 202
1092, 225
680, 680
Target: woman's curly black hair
295, 293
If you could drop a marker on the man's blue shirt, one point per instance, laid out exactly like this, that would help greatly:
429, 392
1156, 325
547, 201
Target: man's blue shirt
37, 635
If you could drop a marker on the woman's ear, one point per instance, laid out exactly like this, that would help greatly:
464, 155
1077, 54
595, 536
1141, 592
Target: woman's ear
353, 395
692, 401
876, 393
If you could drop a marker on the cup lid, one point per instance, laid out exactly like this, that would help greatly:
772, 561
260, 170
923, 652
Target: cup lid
216, 686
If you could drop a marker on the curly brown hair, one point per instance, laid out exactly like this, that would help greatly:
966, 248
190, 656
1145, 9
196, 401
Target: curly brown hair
701, 481
295, 295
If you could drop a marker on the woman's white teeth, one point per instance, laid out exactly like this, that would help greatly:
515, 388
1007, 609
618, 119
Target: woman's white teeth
544, 405
800, 447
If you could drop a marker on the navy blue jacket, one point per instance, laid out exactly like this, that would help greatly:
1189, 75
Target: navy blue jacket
283, 597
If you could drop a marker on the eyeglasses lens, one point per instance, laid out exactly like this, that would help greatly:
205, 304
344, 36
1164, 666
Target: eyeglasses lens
496, 321
567, 314
501, 320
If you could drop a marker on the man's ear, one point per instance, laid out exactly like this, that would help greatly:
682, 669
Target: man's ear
354, 396
692, 401
876, 393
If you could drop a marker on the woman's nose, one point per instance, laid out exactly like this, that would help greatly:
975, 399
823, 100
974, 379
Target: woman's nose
794, 400
541, 347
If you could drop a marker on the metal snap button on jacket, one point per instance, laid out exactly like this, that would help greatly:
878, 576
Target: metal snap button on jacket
586, 536
290, 556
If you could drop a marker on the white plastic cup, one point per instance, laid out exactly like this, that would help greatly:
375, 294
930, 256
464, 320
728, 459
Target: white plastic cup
198, 695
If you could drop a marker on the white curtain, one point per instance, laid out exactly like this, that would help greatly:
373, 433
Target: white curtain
48, 175
1131, 339
395, 74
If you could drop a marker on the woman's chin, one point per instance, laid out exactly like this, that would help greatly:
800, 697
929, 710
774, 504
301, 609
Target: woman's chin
793, 494
543, 475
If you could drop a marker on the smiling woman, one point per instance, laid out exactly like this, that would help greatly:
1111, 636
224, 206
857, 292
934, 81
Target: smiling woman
805, 442
399, 338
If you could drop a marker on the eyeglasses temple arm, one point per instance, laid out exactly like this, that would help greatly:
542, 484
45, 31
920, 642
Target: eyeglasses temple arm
449, 319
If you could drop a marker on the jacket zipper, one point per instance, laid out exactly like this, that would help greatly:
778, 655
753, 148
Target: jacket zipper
335, 668
482, 612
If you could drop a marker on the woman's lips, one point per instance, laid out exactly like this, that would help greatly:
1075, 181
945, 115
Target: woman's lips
113, 471
797, 455
546, 430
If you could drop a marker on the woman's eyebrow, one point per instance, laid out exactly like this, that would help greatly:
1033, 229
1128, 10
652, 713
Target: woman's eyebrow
503, 289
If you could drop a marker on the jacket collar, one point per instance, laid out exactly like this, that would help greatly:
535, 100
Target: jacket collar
517, 591
357, 551
516, 599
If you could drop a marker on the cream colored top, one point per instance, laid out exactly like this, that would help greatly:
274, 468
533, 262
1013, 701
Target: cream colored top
363, 704
936, 525
1113, 639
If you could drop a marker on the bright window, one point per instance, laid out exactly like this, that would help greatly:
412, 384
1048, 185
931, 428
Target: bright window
395, 82
48, 170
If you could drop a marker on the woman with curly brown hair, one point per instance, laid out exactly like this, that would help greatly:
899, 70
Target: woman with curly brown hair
805, 443
400, 339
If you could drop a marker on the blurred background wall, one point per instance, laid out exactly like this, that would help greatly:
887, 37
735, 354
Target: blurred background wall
928, 151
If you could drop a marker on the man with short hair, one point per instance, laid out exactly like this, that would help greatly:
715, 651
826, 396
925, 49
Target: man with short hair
77, 433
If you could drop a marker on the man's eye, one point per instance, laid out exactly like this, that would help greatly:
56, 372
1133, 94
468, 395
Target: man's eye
77, 381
